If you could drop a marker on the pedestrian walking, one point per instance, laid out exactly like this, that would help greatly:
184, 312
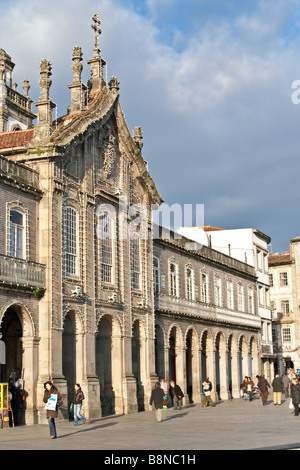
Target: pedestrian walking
176, 394
244, 387
16, 402
263, 386
286, 385
207, 388
78, 398
249, 388
156, 398
277, 389
295, 395
164, 387
53, 400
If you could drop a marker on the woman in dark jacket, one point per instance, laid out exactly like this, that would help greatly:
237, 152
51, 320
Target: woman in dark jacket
295, 395
50, 390
77, 400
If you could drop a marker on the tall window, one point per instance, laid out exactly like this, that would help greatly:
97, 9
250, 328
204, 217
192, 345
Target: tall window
250, 300
284, 279
286, 335
285, 307
240, 298
271, 280
218, 292
71, 240
16, 234
173, 279
190, 284
135, 263
230, 294
106, 248
204, 287
156, 274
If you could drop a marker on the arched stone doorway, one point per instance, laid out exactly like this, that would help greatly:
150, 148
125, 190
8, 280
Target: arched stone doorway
254, 359
207, 360
159, 353
12, 333
137, 364
70, 353
109, 365
221, 368
21, 348
192, 367
243, 358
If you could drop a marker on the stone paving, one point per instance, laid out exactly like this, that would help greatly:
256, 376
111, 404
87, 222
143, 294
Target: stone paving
230, 425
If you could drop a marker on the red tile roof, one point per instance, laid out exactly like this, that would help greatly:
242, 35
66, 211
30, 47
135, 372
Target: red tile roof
283, 258
14, 139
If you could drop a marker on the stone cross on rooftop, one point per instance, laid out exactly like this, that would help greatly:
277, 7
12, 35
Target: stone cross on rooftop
98, 31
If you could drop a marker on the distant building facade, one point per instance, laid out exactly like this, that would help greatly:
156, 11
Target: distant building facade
251, 247
285, 303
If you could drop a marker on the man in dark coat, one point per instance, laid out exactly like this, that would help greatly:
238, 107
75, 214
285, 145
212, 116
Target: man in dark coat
263, 386
157, 396
176, 394
295, 394
277, 389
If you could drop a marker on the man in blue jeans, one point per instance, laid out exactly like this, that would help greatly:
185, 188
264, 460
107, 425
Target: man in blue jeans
77, 401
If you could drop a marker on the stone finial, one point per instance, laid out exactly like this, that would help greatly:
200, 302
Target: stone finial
45, 106
114, 85
26, 87
77, 65
78, 89
45, 81
138, 137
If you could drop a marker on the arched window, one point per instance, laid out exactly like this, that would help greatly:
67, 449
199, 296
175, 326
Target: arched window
230, 294
190, 291
135, 263
218, 292
17, 234
71, 240
240, 297
174, 279
156, 274
250, 300
106, 233
204, 287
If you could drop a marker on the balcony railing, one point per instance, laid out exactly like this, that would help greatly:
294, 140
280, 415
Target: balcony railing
20, 273
180, 306
19, 172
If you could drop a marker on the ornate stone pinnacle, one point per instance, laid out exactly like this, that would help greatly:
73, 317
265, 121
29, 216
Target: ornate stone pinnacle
114, 85
45, 81
26, 87
77, 65
98, 31
138, 136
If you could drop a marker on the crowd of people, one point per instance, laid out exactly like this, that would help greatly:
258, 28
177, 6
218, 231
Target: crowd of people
289, 385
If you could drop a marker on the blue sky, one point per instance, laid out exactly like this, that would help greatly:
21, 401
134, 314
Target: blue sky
210, 83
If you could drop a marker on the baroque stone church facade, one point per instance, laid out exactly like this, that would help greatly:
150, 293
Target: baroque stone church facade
86, 294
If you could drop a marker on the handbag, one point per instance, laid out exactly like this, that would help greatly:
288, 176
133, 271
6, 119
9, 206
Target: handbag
71, 409
291, 406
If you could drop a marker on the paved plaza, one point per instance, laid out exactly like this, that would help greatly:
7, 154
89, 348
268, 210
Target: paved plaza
230, 425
